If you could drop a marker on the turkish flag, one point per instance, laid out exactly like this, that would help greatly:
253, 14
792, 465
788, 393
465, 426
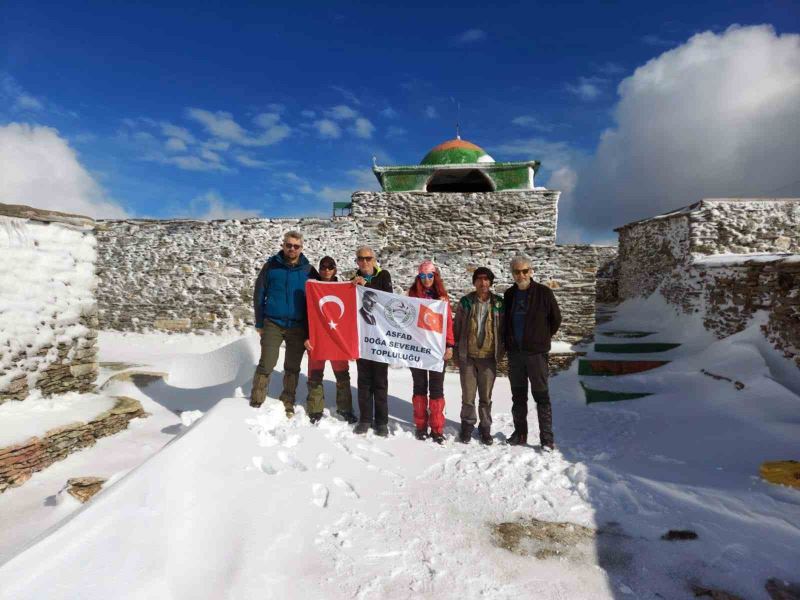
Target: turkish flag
332, 325
430, 320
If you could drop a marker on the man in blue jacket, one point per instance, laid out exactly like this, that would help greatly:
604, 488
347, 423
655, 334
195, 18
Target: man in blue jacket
279, 301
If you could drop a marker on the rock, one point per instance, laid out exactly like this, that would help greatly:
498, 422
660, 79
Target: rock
700, 591
781, 472
83, 488
679, 534
782, 590
541, 539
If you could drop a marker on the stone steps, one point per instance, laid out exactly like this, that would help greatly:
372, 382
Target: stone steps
635, 347
598, 367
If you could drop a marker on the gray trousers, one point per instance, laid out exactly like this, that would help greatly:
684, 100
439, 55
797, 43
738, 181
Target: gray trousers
477, 376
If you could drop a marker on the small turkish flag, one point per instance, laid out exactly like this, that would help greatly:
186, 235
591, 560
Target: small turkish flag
332, 325
429, 319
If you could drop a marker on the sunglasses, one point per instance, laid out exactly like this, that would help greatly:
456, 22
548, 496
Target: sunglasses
326, 267
366, 258
521, 271
289, 246
425, 275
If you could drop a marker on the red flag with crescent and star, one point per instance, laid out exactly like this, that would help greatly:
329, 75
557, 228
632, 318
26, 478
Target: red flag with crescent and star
332, 326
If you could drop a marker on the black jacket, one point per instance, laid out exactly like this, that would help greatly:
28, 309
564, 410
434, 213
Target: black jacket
543, 318
381, 280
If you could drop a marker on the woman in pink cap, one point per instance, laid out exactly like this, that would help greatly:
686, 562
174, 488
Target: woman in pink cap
428, 284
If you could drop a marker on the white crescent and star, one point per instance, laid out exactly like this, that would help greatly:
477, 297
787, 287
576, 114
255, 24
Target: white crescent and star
338, 302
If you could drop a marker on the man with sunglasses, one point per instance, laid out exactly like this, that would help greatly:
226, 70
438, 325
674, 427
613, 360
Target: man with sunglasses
532, 318
279, 301
373, 377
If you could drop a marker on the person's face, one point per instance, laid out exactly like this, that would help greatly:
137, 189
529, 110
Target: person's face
521, 272
482, 284
426, 279
365, 261
327, 272
369, 302
292, 248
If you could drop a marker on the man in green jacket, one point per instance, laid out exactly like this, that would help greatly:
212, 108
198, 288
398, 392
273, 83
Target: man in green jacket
478, 330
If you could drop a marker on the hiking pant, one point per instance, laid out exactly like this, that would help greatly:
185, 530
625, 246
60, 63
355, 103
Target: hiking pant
477, 377
428, 384
524, 367
271, 339
373, 391
316, 397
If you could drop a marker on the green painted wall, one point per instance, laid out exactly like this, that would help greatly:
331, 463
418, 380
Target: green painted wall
511, 179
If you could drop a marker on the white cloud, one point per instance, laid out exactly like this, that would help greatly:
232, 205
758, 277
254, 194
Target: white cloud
389, 113
469, 36
221, 125
363, 128
531, 122
341, 112
248, 161
332, 194
16, 97
173, 131
27, 102
349, 95
328, 129
716, 116
657, 40
188, 163
394, 131
211, 206
430, 112
39, 168
364, 179
587, 88
175, 145
267, 120
303, 186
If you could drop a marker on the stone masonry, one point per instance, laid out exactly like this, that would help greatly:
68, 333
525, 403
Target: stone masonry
199, 275
48, 313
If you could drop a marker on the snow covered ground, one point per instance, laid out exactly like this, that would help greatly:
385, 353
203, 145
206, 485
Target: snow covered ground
244, 503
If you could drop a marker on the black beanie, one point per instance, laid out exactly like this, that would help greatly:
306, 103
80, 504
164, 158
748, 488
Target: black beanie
483, 271
327, 259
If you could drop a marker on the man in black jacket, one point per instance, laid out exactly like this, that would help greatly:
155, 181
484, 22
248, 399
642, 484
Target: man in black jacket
373, 377
532, 317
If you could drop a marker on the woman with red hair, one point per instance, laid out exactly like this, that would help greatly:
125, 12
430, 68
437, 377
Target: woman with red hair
428, 284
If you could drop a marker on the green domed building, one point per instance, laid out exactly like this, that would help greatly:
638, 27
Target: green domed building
457, 166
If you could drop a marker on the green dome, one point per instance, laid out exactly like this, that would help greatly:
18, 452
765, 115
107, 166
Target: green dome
456, 152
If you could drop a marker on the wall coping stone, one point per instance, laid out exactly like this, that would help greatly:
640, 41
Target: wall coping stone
21, 211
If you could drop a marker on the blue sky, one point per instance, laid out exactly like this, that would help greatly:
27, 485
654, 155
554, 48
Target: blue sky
278, 109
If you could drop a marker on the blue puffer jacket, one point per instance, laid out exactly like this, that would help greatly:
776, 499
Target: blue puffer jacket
280, 292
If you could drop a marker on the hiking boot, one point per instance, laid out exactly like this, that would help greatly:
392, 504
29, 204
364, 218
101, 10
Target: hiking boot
382, 430
289, 408
518, 439
466, 433
548, 446
437, 437
347, 415
259, 392
314, 417
361, 428
486, 438
421, 434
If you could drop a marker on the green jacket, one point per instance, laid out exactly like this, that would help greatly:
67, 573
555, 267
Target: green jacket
461, 325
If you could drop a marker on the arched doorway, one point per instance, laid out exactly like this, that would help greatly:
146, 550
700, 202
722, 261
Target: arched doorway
459, 180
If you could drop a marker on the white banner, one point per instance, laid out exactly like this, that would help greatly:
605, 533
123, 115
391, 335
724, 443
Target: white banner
409, 332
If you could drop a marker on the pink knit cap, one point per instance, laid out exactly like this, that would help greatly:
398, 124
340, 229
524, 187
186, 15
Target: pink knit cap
427, 267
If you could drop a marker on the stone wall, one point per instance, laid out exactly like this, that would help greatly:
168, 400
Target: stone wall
653, 255
20, 461
732, 292
184, 275
48, 313
745, 225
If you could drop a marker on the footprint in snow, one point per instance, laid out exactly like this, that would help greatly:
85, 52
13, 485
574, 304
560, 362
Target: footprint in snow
324, 461
346, 487
320, 493
266, 468
291, 461
376, 450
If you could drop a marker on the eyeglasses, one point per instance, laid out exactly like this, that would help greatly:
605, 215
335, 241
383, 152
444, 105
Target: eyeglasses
364, 258
425, 275
520, 271
289, 246
326, 267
